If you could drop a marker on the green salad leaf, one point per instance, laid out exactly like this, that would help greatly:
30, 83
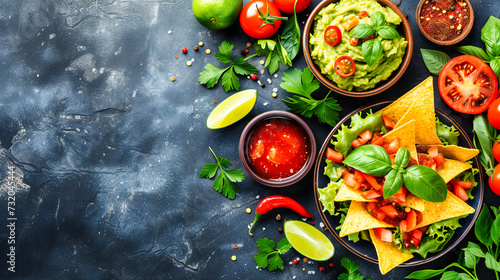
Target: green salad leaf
447, 134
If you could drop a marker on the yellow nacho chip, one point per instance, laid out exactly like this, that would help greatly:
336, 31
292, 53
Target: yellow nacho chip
452, 207
424, 91
425, 129
406, 135
389, 256
450, 169
452, 151
358, 219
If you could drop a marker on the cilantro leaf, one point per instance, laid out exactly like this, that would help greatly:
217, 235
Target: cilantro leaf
304, 84
212, 74
274, 52
269, 257
225, 182
352, 268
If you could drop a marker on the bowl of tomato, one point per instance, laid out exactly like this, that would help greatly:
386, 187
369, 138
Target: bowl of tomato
277, 148
361, 53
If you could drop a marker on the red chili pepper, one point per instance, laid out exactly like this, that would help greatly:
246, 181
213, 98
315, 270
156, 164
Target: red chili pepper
276, 201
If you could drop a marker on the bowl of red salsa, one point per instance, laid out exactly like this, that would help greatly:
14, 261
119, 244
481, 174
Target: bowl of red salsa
277, 148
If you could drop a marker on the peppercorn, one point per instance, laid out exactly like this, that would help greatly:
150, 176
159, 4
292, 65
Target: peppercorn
330, 264
280, 230
208, 51
235, 246
196, 48
278, 217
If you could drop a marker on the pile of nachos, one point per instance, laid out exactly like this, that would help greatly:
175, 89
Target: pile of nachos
399, 179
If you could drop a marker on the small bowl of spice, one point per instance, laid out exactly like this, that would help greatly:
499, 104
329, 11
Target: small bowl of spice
277, 148
445, 22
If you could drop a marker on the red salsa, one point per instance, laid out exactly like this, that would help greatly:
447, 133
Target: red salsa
278, 148
444, 20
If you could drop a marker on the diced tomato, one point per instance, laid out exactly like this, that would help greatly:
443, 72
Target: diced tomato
439, 159
411, 220
358, 176
384, 234
372, 181
333, 155
353, 41
350, 181
417, 234
371, 206
433, 152
390, 211
415, 242
450, 187
366, 135
389, 124
399, 197
394, 146
393, 158
363, 14
350, 22
460, 192
356, 143
465, 185
377, 139
402, 226
258, 151
378, 214
370, 195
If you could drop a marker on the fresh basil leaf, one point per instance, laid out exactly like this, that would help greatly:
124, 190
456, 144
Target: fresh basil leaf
490, 34
369, 159
372, 51
388, 32
470, 260
475, 249
290, 38
495, 231
475, 51
434, 60
425, 183
483, 226
378, 19
491, 262
483, 132
402, 157
393, 183
495, 210
495, 66
362, 31
425, 274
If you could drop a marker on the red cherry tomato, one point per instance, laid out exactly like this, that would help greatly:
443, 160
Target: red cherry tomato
496, 151
344, 66
467, 84
494, 181
494, 114
287, 5
251, 21
333, 35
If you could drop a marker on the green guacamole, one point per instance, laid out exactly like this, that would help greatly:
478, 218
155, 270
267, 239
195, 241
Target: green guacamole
324, 56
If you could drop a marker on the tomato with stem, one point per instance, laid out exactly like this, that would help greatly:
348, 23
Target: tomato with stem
467, 84
287, 5
260, 19
496, 150
494, 180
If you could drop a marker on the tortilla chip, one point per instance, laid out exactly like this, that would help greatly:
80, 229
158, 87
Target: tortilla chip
424, 92
452, 207
345, 193
452, 151
450, 169
425, 130
389, 256
358, 219
406, 135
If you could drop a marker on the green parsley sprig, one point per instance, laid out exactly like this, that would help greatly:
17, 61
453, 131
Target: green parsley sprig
225, 182
268, 257
210, 77
304, 84
352, 268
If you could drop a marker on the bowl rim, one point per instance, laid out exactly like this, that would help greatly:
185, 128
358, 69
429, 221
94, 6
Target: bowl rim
458, 39
349, 246
395, 76
249, 128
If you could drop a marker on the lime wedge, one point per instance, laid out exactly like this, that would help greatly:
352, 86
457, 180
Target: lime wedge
232, 109
308, 240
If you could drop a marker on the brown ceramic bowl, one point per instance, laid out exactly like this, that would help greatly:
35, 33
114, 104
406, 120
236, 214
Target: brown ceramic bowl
464, 32
245, 139
381, 86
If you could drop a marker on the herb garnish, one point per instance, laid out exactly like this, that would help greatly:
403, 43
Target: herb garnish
487, 230
268, 257
352, 268
434, 60
484, 133
372, 49
304, 84
421, 180
225, 182
212, 74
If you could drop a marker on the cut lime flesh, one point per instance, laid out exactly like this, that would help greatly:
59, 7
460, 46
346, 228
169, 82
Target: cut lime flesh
232, 109
308, 240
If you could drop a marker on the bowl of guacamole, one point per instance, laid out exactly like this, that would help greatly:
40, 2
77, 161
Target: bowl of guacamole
357, 47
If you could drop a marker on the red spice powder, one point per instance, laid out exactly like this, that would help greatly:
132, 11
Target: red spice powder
444, 20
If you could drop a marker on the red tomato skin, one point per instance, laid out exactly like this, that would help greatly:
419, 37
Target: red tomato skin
494, 115
251, 23
496, 151
333, 155
286, 6
494, 181
480, 68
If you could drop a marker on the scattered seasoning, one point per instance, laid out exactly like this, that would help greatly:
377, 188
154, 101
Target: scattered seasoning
243, 53
254, 77
196, 48
172, 79
176, 57
280, 230
313, 223
208, 51
262, 62
233, 258
189, 63
262, 71
246, 51
442, 26
262, 85
249, 44
248, 210
305, 260
215, 101
278, 217
200, 44
330, 264
295, 261
321, 268
184, 50
235, 246
275, 94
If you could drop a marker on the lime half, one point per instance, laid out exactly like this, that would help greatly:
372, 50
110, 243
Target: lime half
232, 109
217, 14
308, 240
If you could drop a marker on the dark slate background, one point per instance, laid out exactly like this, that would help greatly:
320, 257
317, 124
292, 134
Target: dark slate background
107, 150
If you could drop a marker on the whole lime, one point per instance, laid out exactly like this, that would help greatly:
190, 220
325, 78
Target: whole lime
217, 14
